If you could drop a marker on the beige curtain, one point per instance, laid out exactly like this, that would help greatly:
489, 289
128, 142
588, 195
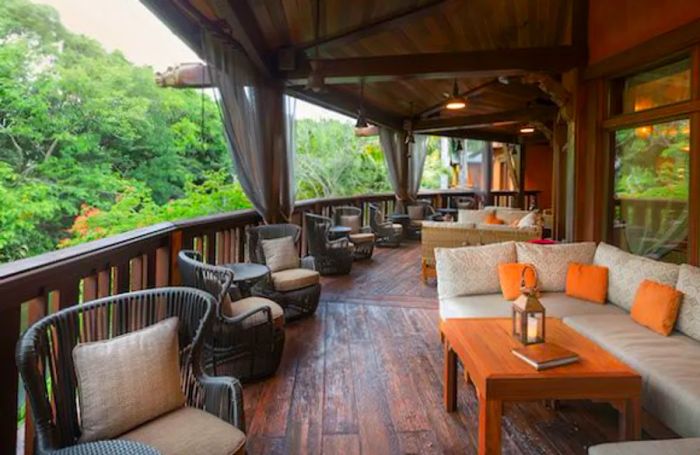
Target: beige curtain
259, 121
404, 163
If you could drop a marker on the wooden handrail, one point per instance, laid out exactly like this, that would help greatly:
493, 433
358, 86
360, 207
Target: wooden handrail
142, 258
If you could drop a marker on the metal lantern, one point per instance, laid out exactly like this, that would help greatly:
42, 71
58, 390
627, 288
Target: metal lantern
528, 312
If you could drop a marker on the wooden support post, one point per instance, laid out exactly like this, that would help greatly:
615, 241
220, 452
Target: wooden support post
9, 333
162, 267
175, 247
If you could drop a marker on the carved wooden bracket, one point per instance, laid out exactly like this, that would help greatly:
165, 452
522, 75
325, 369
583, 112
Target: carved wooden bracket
556, 91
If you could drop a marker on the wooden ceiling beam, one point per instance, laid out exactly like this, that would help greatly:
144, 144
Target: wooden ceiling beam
382, 24
347, 104
482, 136
483, 120
488, 63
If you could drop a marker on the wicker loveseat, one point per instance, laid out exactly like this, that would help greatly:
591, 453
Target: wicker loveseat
45, 361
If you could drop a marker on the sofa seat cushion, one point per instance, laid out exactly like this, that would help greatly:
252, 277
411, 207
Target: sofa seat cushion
687, 446
362, 238
189, 431
669, 366
626, 272
557, 305
242, 306
552, 261
293, 279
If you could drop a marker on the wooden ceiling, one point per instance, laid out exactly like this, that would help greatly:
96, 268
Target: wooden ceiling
406, 52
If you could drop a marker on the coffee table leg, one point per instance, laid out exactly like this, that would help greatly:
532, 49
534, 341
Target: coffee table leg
489, 426
450, 379
631, 420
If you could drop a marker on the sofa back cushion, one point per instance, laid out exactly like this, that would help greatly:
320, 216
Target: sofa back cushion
552, 261
128, 380
689, 314
472, 216
510, 215
626, 272
471, 270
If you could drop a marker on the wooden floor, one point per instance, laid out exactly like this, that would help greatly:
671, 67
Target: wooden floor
365, 376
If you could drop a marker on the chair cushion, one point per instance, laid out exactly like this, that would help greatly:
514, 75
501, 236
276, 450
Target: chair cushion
688, 446
471, 270
292, 279
656, 306
397, 227
669, 366
472, 216
362, 238
626, 272
280, 254
242, 306
556, 304
689, 313
552, 261
351, 221
587, 282
189, 431
128, 380
416, 212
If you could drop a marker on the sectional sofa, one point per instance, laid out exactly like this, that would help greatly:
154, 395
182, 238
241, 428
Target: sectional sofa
468, 287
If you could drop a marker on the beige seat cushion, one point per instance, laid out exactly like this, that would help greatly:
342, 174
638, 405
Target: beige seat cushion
189, 431
397, 227
626, 271
280, 254
239, 307
669, 366
351, 221
688, 446
471, 270
362, 238
552, 261
556, 304
128, 380
689, 314
290, 280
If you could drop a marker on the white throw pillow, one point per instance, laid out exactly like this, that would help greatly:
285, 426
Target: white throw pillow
552, 261
128, 380
471, 270
689, 314
626, 271
280, 254
529, 220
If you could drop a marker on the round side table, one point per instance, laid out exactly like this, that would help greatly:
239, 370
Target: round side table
338, 232
247, 274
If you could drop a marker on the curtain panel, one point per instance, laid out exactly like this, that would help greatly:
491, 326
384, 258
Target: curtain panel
404, 163
258, 120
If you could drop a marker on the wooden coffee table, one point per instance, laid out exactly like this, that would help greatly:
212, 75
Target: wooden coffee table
484, 348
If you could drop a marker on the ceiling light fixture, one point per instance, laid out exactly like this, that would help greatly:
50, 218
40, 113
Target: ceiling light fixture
527, 129
456, 101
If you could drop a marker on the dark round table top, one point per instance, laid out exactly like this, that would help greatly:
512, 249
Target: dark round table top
399, 217
447, 210
112, 447
247, 271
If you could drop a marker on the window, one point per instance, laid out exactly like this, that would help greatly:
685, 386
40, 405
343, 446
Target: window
651, 190
658, 87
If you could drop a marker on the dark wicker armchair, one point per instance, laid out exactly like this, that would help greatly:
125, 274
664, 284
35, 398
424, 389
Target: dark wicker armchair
360, 236
332, 257
419, 212
247, 336
44, 359
296, 290
388, 233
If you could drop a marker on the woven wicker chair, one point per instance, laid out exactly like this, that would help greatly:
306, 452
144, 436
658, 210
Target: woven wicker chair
296, 302
44, 357
361, 236
332, 257
419, 212
388, 233
247, 337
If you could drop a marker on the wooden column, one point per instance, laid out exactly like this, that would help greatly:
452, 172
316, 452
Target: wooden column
488, 174
521, 179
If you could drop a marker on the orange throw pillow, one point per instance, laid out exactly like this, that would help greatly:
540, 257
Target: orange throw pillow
510, 275
491, 218
656, 306
587, 282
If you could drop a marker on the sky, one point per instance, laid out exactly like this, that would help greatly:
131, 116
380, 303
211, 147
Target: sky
130, 27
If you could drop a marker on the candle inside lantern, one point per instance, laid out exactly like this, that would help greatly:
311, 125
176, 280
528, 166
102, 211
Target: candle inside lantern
532, 328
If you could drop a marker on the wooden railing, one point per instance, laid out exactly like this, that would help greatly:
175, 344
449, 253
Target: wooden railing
139, 259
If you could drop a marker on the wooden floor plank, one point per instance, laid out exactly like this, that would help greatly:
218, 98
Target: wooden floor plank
364, 376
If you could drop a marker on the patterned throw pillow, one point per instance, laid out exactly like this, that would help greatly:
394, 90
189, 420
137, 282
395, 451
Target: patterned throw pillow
471, 270
689, 314
626, 272
280, 254
552, 261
